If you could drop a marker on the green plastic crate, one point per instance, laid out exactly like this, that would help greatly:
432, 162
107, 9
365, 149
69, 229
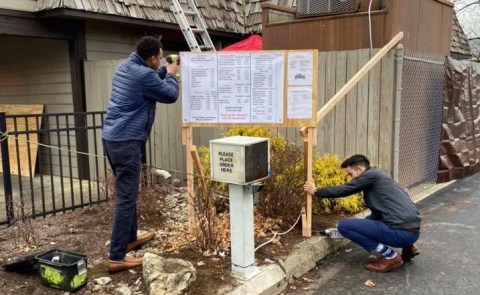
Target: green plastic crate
63, 270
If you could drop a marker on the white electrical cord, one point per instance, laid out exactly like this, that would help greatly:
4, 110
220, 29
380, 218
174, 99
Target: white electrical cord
370, 23
278, 234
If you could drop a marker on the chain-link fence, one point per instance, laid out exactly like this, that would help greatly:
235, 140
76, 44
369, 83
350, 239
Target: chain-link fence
420, 119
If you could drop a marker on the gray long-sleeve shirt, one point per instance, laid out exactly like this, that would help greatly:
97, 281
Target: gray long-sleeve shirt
388, 202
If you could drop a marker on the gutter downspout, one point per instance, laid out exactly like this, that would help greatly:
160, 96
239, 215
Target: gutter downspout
399, 55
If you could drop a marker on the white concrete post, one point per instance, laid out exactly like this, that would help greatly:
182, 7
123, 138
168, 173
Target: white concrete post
242, 232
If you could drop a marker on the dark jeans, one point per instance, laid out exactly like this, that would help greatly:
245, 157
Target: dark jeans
124, 158
369, 233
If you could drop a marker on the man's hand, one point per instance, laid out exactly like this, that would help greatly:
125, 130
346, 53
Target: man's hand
172, 68
309, 187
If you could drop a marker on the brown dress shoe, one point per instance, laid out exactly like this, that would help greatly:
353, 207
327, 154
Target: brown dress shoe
141, 240
130, 262
384, 265
409, 252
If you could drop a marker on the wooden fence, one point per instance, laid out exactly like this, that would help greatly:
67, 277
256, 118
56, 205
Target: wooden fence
361, 123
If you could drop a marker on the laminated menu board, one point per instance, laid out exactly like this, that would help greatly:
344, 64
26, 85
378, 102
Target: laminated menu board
222, 88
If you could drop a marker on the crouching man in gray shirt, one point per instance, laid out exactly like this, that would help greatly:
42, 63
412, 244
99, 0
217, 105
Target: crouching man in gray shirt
394, 222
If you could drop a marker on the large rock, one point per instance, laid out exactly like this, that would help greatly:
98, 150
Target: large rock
167, 276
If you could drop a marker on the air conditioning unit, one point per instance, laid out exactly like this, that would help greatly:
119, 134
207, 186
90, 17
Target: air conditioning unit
309, 8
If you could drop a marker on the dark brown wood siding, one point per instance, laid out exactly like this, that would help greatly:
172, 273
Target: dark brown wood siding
330, 33
426, 24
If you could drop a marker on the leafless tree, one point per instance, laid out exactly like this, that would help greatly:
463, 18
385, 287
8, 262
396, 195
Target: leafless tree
468, 12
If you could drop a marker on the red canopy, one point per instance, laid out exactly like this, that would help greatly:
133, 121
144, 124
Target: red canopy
252, 43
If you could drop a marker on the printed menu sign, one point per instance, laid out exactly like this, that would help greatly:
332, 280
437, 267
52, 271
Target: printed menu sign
233, 87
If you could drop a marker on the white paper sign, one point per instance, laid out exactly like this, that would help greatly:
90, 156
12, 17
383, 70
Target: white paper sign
299, 102
300, 85
300, 68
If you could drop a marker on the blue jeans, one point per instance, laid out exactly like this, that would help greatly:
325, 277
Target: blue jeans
369, 233
124, 159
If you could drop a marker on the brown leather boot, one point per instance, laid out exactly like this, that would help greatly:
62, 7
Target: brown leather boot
130, 262
384, 265
141, 240
409, 252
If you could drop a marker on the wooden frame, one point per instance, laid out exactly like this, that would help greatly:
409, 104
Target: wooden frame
286, 122
187, 137
306, 132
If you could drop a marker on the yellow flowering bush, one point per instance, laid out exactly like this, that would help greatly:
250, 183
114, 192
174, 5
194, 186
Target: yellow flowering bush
327, 172
283, 194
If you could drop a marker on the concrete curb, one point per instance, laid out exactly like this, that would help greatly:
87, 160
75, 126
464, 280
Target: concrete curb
304, 256
274, 278
271, 280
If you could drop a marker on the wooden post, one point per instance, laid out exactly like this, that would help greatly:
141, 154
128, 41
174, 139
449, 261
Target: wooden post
198, 166
309, 139
188, 142
309, 134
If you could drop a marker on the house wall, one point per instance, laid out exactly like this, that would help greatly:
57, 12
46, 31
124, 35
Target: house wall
108, 40
426, 24
24, 5
328, 33
35, 71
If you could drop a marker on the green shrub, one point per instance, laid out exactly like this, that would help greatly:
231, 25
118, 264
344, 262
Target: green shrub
283, 195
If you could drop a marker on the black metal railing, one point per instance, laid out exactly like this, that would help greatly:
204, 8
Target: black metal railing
51, 163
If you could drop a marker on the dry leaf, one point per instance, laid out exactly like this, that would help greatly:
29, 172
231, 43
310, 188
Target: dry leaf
200, 263
308, 280
369, 283
277, 241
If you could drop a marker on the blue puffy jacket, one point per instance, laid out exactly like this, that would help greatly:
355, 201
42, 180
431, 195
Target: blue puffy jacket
136, 89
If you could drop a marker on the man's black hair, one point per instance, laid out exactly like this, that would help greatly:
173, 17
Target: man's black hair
148, 46
355, 161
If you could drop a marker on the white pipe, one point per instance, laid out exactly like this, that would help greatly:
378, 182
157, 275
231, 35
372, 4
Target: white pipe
162, 173
370, 23
399, 55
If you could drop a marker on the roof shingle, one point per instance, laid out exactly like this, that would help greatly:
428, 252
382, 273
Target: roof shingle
234, 16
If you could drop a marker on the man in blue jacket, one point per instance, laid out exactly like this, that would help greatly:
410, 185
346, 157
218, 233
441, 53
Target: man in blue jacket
394, 222
138, 84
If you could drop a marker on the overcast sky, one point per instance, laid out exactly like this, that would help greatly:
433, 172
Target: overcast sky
469, 17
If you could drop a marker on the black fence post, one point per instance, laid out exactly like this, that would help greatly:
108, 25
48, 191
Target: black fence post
7, 177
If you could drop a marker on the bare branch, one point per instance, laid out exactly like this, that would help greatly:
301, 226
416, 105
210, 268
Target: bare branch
468, 5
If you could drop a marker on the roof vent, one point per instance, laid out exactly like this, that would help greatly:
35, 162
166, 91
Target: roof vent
309, 8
